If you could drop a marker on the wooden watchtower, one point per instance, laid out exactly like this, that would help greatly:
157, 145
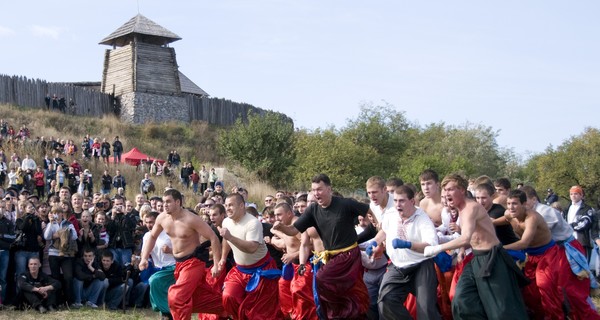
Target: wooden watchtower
141, 70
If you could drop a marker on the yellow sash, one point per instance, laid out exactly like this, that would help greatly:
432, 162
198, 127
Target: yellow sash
324, 256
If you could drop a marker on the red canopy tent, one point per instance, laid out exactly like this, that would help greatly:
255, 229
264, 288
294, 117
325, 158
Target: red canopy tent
134, 157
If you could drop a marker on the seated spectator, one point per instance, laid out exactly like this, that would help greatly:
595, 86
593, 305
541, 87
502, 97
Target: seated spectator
37, 289
88, 284
138, 288
114, 282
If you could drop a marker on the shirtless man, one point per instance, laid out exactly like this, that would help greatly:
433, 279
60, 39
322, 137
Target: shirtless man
295, 291
190, 293
487, 288
546, 264
432, 203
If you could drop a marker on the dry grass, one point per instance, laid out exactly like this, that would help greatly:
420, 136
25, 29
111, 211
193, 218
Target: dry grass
195, 142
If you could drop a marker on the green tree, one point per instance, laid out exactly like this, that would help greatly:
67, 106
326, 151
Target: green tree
325, 151
384, 131
468, 149
264, 145
575, 162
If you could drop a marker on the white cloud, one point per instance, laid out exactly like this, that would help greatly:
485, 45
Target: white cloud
46, 32
6, 32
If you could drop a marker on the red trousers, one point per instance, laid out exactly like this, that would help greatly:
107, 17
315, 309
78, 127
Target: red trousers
217, 285
285, 295
457, 272
544, 296
577, 290
302, 295
260, 304
190, 293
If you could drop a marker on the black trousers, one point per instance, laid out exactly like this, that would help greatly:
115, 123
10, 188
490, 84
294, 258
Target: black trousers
397, 283
64, 264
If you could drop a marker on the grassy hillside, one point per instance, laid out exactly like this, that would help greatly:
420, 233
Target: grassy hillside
195, 142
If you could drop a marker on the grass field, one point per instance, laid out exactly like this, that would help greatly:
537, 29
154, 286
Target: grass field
82, 314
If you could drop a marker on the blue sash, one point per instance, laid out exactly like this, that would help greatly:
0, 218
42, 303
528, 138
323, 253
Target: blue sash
257, 273
578, 263
287, 273
517, 255
443, 261
316, 267
539, 250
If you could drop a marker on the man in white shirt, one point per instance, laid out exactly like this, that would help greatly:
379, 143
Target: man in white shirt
28, 164
164, 267
406, 234
243, 234
382, 204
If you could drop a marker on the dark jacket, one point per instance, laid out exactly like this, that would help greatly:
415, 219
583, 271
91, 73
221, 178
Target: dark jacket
31, 226
586, 224
119, 182
7, 233
114, 274
27, 283
83, 273
117, 146
121, 231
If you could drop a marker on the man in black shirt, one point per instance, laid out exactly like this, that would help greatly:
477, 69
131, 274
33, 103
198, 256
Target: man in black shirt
342, 292
484, 195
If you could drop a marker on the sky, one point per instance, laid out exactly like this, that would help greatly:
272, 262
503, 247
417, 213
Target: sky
530, 70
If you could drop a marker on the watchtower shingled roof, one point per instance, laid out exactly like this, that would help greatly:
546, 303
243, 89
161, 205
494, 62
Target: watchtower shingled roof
147, 31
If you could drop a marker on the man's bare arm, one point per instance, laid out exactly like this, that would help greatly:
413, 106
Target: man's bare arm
526, 238
305, 247
287, 230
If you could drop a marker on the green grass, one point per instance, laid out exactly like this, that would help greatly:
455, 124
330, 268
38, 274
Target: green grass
83, 314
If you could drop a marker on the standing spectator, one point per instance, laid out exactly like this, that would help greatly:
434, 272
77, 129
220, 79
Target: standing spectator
3, 172
62, 250
106, 182
120, 230
119, 180
7, 236
105, 150
204, 176
551, 198
62, 104
40, 182
29, 237
583, 219
176, 160
96, 148
28, 163
47, 101
185, 175
213, 178
117, 150
195, 178
38, 289
54, 102
146, 185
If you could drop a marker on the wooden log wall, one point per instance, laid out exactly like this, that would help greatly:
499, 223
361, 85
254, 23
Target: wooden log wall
21, 91
118, 71
156, 69
219, 111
